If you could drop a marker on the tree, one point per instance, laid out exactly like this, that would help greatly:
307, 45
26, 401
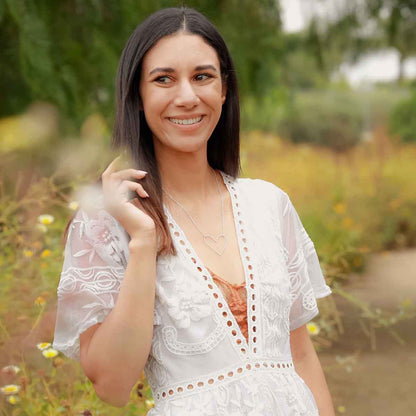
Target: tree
360, 27
66, 52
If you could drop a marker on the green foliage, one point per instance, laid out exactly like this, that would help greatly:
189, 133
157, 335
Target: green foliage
403, 119
326, 118
67, 53
261, 113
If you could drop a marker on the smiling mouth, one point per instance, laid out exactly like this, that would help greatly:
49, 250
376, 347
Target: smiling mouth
185, 122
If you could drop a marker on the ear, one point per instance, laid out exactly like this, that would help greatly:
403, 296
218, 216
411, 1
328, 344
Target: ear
224, 92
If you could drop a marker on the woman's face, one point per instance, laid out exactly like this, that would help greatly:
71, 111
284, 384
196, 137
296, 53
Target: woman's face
182, 93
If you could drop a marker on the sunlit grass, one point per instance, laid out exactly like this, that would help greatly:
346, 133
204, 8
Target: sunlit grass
362, 200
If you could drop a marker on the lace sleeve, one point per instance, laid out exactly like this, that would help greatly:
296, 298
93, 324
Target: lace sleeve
96, 256
307, 282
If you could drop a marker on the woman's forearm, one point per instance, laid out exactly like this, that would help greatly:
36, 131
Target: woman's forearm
118, 350
310, 369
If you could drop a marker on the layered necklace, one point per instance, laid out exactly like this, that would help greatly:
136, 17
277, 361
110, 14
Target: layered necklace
208, 239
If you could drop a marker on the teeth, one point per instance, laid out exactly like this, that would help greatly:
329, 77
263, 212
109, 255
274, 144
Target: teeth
186, 121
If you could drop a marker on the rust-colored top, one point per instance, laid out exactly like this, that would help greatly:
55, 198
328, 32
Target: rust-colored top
236, 297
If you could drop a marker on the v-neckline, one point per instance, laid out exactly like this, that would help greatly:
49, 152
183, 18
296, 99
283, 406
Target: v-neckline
239, 340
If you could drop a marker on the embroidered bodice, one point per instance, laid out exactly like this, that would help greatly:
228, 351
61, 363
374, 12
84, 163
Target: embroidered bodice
213, 352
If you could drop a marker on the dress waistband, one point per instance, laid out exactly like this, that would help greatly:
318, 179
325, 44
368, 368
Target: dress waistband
227, 374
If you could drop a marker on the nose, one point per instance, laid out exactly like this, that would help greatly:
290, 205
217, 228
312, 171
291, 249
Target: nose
186, 95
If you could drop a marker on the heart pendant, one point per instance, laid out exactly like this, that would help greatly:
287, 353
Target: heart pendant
212, 242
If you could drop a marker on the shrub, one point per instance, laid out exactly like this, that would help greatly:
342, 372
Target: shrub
403, 119
332, 119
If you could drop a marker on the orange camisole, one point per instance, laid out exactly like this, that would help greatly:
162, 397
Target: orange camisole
236, 297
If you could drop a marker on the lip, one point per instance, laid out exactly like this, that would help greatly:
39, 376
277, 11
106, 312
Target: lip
187, 116
187, 127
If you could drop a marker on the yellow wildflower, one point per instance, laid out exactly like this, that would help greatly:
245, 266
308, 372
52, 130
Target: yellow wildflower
73, 205
407, 303
312, 328
50, 353
28, 253
10, 389
45, 253
40, 301
46, 219
11, 369
13, 399
339, 208
43, 345
347, 222
341, 409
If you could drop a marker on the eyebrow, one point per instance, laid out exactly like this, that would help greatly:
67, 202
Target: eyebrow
170, 70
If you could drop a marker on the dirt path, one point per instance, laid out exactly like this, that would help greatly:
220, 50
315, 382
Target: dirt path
381, 382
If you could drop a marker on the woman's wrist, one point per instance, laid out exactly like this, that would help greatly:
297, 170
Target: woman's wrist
144, 241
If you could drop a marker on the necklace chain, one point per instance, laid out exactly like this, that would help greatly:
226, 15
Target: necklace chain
208, 239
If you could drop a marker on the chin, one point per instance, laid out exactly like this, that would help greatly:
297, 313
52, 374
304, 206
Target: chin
191, 147
187, 144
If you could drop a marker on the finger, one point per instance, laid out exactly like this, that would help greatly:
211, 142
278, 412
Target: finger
112, 167
135, 187
129, 173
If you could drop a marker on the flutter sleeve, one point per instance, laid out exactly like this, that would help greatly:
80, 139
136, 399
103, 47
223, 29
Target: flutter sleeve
95, 259
307, 282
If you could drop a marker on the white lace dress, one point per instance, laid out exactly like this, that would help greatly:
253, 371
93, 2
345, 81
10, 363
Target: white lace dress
200, 363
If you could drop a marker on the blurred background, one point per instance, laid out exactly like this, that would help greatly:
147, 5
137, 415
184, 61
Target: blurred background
328, 95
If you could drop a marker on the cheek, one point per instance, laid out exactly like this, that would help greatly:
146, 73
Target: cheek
154, 104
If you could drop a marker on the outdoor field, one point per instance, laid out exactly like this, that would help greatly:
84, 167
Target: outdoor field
345, 155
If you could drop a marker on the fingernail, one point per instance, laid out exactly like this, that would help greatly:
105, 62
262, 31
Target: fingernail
147, 195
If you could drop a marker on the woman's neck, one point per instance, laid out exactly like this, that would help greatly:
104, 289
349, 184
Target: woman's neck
188, 178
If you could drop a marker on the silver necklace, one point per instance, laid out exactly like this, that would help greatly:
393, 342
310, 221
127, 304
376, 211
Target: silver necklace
208, 239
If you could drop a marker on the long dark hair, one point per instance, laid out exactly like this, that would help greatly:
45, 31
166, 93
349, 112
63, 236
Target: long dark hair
131, 132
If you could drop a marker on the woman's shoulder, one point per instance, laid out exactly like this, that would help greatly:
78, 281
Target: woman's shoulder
261, 188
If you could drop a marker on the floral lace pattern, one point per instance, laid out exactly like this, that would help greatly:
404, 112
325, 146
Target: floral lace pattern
302, 266
99, 234
211, 353
183, 298
96, 256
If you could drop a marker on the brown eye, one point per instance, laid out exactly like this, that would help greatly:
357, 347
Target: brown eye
162, 79
204, 77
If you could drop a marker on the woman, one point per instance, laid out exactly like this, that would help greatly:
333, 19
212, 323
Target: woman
202, 279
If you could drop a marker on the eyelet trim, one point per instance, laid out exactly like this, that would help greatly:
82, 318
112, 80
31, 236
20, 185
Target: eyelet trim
228, 374
247, 261
240, 342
